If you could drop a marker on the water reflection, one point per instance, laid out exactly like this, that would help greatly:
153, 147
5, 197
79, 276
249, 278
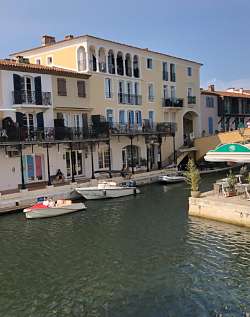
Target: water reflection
135, 256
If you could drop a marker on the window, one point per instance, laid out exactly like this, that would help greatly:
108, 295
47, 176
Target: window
165, 92
38, 61
190, 92
138, 118
151, 92
122, 117
49, 60
61, 87
172, 73
103, 158
173, 92
81, 88
108, 88
209, 102
165, 71
149, 63
210, 125
189, 71
109, 114
151, 116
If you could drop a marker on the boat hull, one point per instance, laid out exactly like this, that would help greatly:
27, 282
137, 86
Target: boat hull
171, 180
105, 193
52, 212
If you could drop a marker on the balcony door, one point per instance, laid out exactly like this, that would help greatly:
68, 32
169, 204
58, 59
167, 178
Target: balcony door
75, 163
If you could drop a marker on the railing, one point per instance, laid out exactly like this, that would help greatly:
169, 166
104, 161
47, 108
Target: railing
24, 134
172, 102
31, 97
191, 100
129, 99
143, 128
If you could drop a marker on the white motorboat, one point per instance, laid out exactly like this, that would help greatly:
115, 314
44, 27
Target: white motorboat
106, 190
49, 208
172, 178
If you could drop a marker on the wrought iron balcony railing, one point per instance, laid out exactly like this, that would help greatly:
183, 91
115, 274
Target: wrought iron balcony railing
129, 99
172, 102
167, 128
31, 97
24, 134
191, 100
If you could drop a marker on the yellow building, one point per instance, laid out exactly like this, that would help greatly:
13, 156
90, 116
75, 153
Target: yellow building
138, 91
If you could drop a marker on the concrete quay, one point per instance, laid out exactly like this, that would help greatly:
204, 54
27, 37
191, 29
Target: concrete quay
25, 198
233, 210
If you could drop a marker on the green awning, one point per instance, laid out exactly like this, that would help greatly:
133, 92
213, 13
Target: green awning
232, 152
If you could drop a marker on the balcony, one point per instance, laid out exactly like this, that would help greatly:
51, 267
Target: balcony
166, 128
172, 103
129, 99
191, 100
31, 97
55, 134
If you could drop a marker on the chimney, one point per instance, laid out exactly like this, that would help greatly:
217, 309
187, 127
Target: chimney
211, 88
48, 40
22, 60
68, 37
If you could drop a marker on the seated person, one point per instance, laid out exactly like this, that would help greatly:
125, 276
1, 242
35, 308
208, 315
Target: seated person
59, 176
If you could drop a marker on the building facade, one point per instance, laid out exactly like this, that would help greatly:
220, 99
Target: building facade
224, 110
86, 105
130, 86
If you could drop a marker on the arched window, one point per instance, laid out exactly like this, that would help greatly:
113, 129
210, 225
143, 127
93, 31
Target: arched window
102, 60
111, 62
136, 69
119, 63
81, 59
128, 65
92, 59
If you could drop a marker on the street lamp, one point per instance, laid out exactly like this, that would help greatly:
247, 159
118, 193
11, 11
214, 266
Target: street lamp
173, 135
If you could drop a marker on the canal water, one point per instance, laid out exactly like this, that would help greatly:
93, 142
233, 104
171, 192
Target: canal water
137, 256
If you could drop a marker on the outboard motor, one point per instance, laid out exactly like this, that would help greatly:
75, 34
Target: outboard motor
131, 183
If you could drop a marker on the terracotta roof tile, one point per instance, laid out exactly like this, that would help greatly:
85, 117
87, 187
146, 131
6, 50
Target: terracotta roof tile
226, 93
40, 69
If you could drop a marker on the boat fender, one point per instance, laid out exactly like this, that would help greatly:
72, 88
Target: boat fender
135, 191
104, 193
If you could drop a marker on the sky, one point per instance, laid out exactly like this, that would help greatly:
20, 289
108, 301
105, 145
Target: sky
214, 32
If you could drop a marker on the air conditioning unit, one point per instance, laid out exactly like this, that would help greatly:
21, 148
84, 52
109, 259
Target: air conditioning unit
13, 153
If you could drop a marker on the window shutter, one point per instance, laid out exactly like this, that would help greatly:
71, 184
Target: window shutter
18, 83
61, 87
38, 90
81, 88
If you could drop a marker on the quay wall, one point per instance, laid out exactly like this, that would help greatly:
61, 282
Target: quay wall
26, 198
232, 213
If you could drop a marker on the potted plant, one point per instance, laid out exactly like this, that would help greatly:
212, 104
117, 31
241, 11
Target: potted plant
193, 178
232, 181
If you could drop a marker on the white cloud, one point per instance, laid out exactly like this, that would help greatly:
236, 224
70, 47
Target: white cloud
222, 85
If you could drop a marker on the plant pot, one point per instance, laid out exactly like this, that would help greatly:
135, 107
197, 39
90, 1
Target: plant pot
195, 193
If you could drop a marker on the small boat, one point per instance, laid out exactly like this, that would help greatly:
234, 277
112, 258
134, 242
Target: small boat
172, 178
49, 208
106, 189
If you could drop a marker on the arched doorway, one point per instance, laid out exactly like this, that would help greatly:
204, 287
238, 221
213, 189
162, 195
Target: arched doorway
190, 126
